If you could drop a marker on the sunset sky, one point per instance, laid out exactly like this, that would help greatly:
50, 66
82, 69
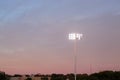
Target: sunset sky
34, 36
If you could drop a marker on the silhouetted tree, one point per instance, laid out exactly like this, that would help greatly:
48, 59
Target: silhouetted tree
4, 76
27, 75
105, 75
58, 77
82, 77
29, 78
70, 76
44, 78
117, 75
17, 75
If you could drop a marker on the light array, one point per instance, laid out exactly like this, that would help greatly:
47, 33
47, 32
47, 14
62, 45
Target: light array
75, 36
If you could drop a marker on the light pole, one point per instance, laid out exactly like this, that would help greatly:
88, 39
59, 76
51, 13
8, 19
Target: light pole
75, 37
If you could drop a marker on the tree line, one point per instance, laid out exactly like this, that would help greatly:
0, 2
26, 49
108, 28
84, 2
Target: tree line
104, 75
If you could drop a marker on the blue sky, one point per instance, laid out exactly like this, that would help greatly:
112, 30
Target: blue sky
35, 31
63, 8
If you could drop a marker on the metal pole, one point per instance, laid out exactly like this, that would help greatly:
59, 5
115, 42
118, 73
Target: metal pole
75, 58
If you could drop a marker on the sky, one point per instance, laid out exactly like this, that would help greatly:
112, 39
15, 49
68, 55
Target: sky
34, 36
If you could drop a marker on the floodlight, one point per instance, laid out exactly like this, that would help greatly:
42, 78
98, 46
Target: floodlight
75, 36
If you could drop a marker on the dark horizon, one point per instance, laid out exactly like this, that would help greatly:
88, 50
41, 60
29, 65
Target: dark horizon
104, 75
56, 73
